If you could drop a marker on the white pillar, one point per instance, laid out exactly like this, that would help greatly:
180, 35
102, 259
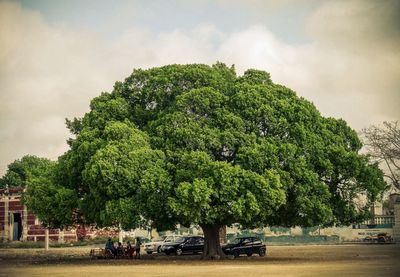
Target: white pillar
46, 239
11, 227
61, 236
6, 216
120, 237
25, 225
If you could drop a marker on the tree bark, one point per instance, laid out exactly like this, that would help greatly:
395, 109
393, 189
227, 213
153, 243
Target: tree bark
212, 246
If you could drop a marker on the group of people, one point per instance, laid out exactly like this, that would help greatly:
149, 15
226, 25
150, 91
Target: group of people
118, 250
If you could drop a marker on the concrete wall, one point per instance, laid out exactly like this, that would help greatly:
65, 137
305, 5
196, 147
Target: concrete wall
396, 227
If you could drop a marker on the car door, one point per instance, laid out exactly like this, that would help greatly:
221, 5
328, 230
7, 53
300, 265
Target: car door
189, 245
247, 246
256, 245
199, 245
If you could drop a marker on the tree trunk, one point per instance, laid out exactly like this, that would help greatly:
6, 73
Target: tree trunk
212, 246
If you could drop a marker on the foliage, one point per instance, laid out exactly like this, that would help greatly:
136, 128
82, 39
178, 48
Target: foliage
50, 202
195, 144
19, 171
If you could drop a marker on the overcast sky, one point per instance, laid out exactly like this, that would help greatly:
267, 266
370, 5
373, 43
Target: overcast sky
55, 56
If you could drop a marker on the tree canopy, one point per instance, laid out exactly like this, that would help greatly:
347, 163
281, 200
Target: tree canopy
51, 203
197, 144
19, 171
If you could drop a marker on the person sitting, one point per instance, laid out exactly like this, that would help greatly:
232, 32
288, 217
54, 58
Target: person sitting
115, 246
120, 250
109, 246
129, 250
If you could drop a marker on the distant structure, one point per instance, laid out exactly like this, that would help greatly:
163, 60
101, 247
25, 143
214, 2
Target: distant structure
18, 224
395, 201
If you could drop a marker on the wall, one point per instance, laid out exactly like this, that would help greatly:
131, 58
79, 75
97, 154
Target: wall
396, 227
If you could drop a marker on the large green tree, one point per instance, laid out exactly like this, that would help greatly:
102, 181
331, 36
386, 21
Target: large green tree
197, 144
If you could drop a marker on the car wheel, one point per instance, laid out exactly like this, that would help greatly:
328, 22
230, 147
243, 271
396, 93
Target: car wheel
261, 252
178, 251
235, 253
167, 253
159, 249
249, 254
149, 252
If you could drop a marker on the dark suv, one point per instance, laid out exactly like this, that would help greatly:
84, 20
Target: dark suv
185, 244
245, 245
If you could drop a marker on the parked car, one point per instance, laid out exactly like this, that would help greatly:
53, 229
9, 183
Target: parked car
155, 246
245, 245
185, 244
379, 238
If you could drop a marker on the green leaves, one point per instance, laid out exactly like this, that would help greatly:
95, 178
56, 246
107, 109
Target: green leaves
20, 171
50, 202
218, 192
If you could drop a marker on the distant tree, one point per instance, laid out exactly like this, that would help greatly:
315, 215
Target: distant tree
195, 144
19, 171
383, 144
51, 203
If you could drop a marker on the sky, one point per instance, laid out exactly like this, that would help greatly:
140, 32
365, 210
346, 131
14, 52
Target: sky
55, 56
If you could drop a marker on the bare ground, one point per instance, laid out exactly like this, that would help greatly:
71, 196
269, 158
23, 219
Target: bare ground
305, 260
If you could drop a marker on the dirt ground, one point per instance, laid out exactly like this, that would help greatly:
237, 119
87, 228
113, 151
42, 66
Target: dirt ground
304, 260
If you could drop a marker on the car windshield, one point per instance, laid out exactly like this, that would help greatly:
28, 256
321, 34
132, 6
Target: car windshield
237, 240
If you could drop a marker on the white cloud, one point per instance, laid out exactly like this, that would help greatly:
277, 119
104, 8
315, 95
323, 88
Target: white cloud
50, 72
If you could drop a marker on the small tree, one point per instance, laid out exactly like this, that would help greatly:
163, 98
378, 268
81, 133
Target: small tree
52, 204
383, 144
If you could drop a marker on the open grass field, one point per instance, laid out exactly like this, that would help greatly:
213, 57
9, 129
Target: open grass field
304, 260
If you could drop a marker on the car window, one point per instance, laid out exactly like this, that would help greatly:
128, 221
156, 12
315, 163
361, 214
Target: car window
199, 241
191, 240
236, 240
180, 240
246, 241
257, 241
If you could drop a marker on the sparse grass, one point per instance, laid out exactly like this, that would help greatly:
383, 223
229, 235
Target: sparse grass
40, 244
306, 260
22, 244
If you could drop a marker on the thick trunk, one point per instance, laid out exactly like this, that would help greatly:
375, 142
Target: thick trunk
212, 246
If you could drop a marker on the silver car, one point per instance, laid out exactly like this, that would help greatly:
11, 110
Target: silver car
155, 246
